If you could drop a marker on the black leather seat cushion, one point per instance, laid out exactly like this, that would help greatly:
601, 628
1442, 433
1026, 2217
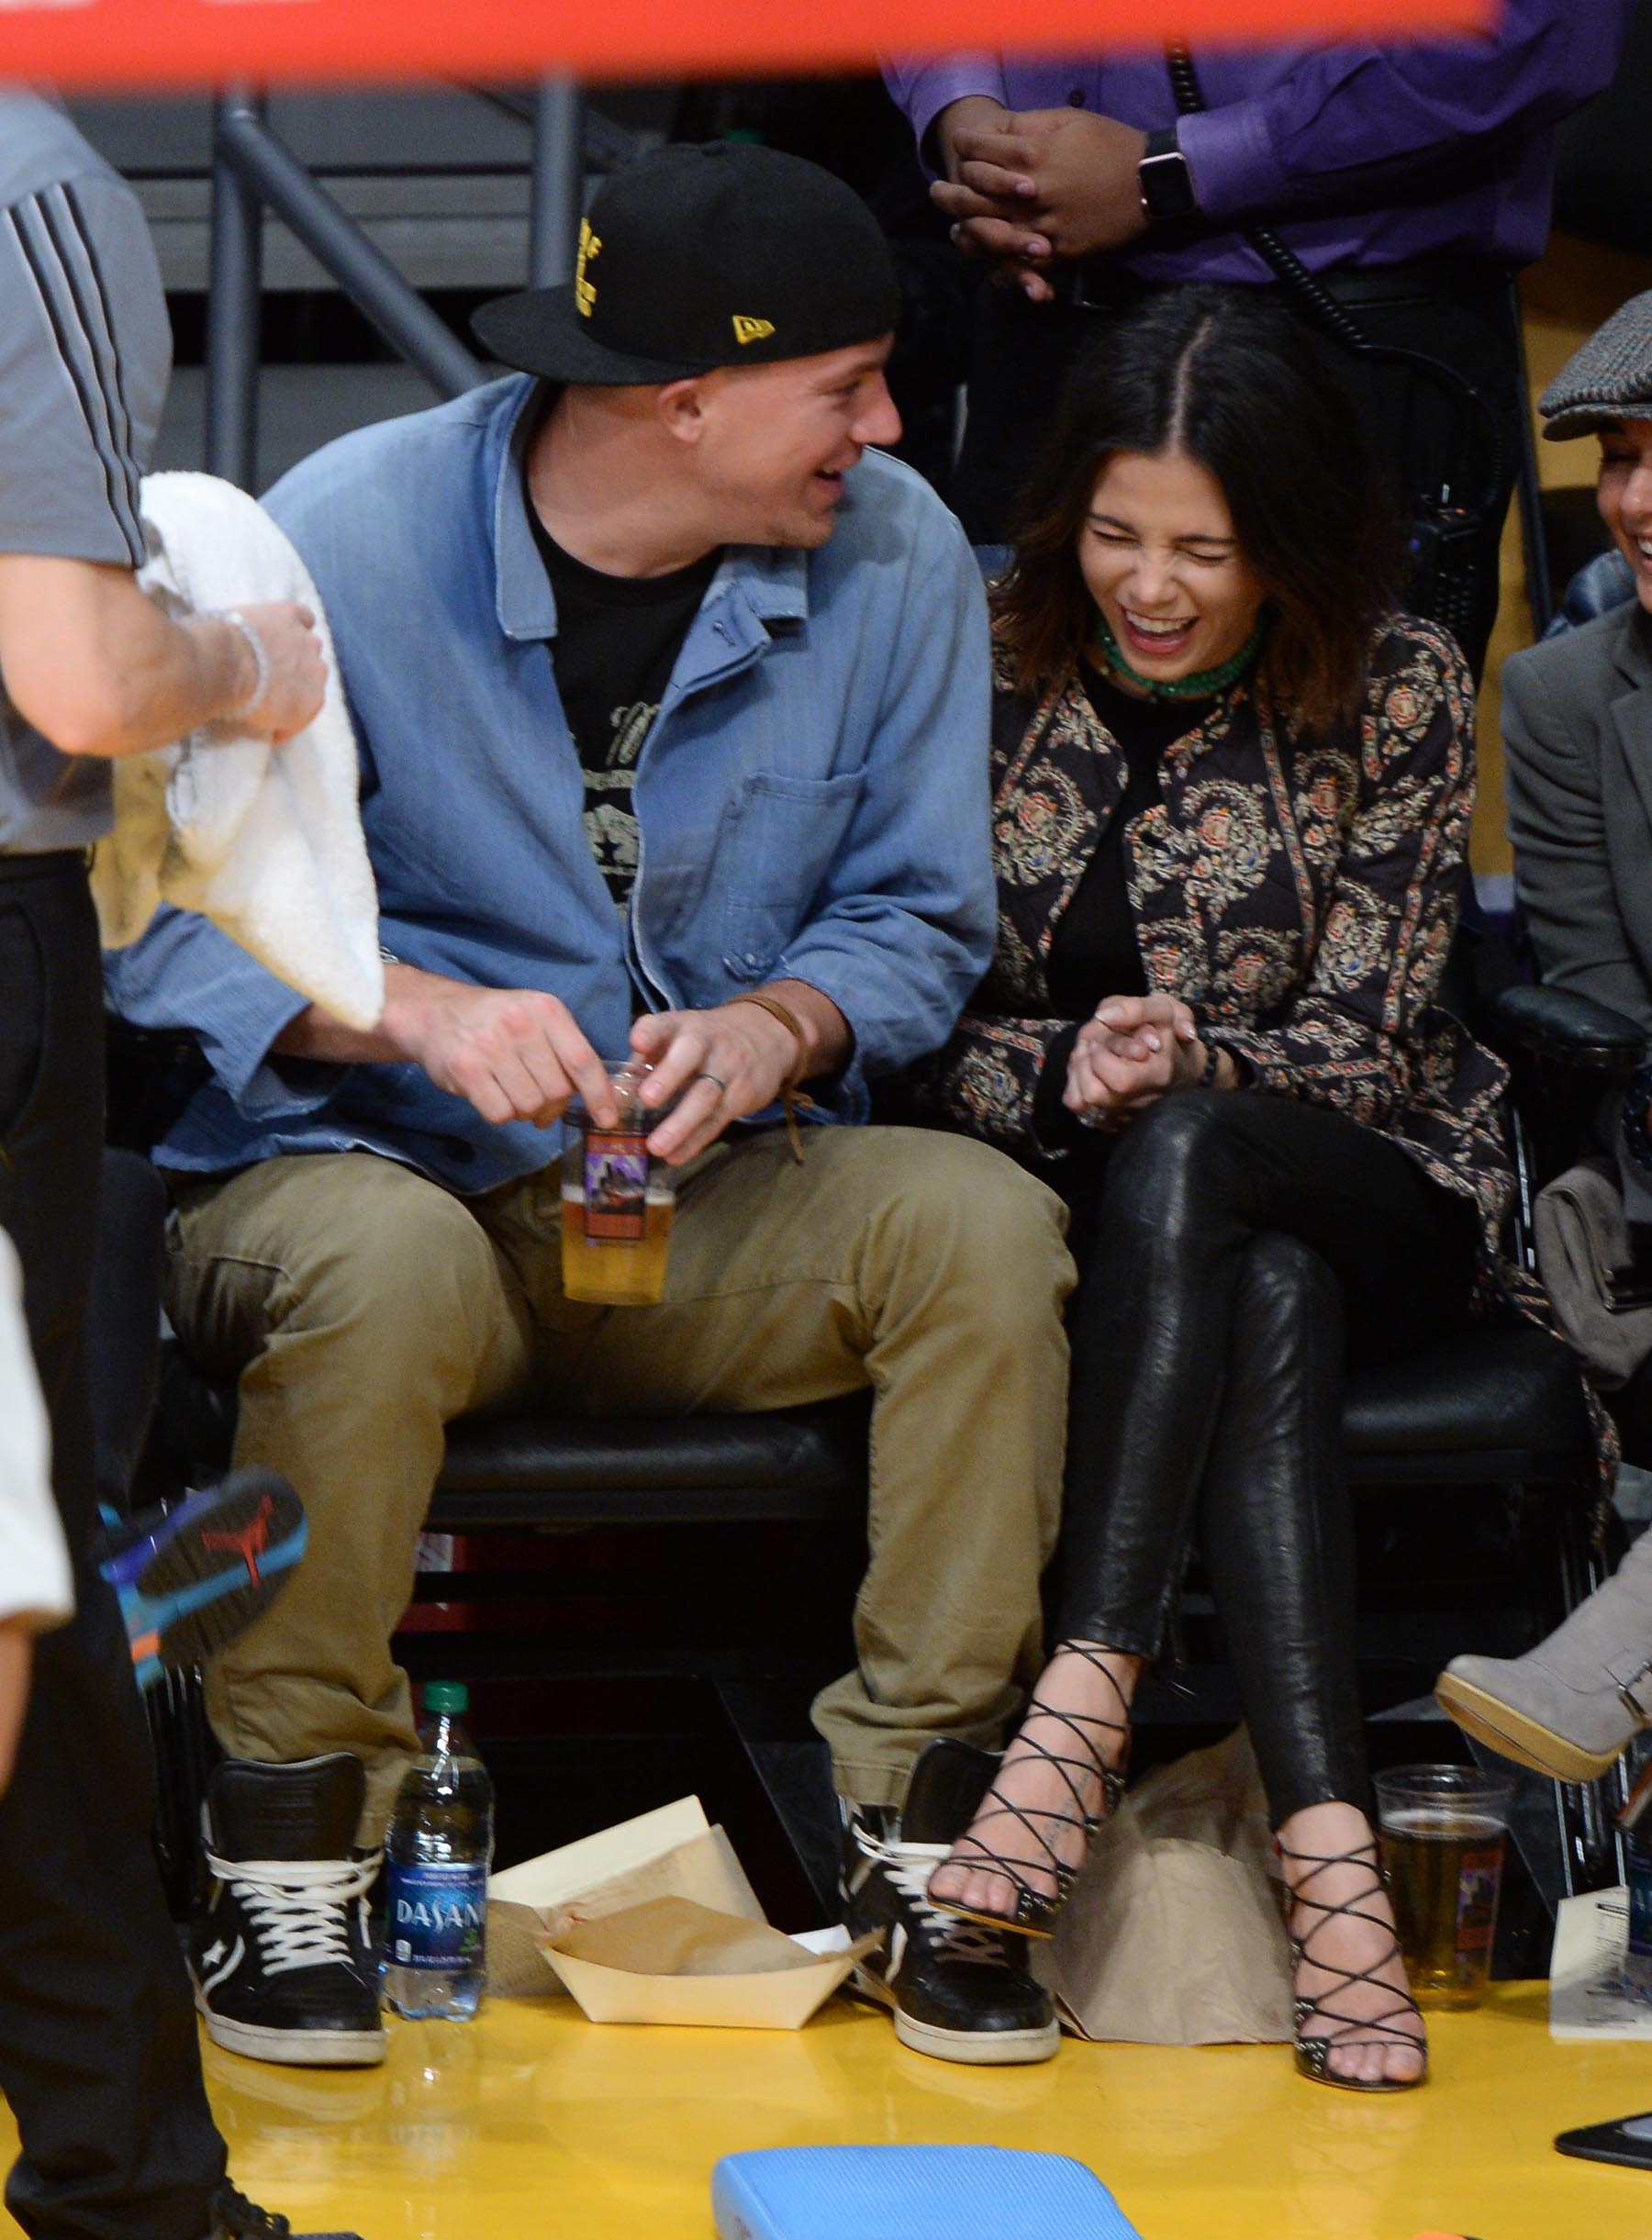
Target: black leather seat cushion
528, 1469
792, 1463
1486, 1405
1490, 1402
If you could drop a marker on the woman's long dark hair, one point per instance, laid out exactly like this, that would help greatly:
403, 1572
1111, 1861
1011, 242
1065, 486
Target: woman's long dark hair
1234, 380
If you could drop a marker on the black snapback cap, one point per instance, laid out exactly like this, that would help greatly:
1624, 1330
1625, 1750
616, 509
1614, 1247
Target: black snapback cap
695, 257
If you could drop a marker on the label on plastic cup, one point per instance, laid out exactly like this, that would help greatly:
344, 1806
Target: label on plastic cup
615, 1186
1478, 1878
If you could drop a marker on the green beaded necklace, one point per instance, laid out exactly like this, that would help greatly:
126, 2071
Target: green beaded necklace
1198, 687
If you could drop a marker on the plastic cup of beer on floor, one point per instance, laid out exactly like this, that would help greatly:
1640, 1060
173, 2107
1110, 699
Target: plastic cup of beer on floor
1443, 1831
617, 1200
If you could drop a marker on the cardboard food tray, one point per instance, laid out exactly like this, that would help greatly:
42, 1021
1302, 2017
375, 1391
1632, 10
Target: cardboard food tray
653, 1921
670, 1960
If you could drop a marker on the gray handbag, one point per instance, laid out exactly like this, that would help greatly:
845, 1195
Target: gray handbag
1582, 1251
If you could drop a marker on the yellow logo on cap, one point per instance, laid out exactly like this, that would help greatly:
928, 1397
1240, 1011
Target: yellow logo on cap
751, 331
584, 291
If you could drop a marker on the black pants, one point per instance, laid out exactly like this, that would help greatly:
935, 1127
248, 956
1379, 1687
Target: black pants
1426, 437
98, 2057
1234, 1251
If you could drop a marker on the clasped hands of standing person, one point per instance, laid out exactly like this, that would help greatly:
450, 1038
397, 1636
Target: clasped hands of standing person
1030, 187
1132, 1051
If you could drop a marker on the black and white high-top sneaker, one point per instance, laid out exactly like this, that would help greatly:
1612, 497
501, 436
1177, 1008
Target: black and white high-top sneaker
959, 1989
281, 1960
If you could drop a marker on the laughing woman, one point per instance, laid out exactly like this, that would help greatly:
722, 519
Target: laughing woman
1233, 788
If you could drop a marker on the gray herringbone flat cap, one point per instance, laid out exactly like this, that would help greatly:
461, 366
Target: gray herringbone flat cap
1609, 379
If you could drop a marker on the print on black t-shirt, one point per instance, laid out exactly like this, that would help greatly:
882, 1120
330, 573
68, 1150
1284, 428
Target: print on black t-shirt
617, 641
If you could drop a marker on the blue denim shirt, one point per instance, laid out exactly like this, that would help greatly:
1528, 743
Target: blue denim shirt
812, 797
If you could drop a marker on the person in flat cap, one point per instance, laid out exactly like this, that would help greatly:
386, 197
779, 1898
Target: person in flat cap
1576, 716
671, 692
1608, 381
1577, 711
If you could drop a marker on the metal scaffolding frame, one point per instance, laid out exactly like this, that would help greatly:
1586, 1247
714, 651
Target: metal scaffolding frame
254, 170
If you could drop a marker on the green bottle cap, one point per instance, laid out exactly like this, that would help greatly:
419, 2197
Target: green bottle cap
446, 1696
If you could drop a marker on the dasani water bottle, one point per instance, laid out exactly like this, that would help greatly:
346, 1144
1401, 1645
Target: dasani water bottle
437, 1856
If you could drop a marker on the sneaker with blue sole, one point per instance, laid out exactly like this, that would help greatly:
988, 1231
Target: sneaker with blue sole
191, 1578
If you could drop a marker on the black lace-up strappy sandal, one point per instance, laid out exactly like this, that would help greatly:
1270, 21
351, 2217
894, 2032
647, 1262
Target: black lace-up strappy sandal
1313, 2051
1079, 1757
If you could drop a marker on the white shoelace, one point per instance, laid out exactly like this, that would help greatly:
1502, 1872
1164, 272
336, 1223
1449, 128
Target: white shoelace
299, 1907
908, 1867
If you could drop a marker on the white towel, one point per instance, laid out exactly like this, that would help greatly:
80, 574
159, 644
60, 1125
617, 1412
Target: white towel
266, 842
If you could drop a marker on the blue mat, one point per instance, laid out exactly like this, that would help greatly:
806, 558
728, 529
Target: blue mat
912, 2193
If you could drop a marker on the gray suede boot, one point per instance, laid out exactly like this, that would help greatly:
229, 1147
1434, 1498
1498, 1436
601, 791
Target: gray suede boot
1569, 1706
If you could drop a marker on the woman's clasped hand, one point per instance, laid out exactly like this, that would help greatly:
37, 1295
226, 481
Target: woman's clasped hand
1128, 1055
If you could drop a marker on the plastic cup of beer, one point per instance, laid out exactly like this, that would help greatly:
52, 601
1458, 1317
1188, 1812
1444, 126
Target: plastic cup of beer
617, 1200
1443, 1831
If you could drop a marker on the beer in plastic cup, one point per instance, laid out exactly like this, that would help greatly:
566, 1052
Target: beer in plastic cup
1442, 1829
616, 1201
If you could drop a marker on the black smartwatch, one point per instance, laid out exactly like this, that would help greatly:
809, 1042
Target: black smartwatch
1167, 183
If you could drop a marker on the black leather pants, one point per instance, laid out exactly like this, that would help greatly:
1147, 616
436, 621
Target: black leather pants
1234, 1250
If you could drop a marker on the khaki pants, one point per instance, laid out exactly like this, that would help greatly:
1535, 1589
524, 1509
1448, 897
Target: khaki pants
361, 1307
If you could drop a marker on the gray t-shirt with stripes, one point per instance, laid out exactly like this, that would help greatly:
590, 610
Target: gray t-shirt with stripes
85, 355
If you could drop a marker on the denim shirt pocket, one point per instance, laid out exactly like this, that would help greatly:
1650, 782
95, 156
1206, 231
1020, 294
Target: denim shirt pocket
781, 840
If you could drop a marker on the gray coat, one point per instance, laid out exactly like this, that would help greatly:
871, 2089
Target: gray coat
1576, 715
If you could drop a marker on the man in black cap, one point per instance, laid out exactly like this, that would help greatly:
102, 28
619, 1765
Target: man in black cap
672, 694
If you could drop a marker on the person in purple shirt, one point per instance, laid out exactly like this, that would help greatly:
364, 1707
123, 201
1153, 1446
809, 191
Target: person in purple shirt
1410, 180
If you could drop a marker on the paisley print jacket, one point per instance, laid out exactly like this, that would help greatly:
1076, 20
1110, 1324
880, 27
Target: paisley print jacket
1300, 898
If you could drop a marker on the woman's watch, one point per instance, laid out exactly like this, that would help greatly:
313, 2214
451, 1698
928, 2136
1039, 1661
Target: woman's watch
1166, 179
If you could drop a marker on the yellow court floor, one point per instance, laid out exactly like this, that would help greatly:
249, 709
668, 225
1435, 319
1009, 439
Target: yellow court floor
531, 2123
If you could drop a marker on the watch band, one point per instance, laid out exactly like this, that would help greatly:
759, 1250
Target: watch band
1166, 182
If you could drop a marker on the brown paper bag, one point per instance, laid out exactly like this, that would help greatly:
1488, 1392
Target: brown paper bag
1174, 1935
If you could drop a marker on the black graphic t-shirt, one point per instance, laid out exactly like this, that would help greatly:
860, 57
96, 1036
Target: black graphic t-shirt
617, 638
